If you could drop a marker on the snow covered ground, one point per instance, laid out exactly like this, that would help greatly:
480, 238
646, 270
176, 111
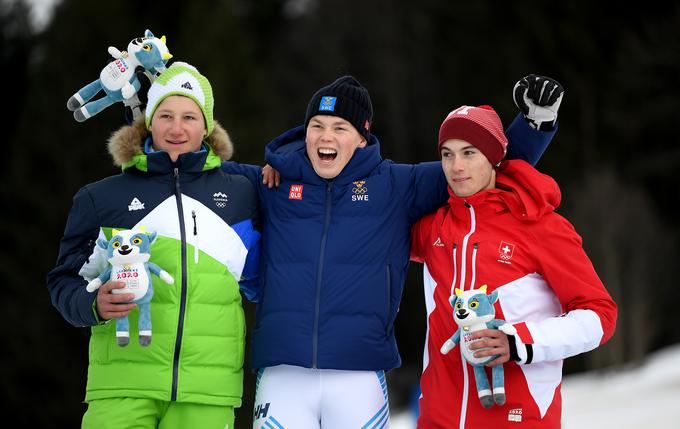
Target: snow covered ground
645, 396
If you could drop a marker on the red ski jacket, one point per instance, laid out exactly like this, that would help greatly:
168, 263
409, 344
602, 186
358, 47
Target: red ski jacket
511, 239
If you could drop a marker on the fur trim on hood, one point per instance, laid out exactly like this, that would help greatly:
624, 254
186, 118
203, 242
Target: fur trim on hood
128, 142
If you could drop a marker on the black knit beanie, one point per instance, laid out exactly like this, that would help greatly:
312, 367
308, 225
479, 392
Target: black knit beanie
347, 99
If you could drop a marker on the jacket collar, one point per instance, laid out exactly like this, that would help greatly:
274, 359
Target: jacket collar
126, 147
287, 154
524, 191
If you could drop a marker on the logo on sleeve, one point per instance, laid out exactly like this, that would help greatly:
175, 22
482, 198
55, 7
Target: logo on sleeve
360, 191
295, 192
505, 252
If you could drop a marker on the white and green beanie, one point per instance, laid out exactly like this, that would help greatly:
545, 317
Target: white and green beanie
182, 79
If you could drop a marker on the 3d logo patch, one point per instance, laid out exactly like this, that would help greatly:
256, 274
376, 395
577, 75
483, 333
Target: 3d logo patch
360, 191
295, 192
328, 103
505, 252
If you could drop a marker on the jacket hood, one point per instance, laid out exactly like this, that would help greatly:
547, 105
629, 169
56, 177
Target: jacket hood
521, 189
530, 194
128, 142
288, 154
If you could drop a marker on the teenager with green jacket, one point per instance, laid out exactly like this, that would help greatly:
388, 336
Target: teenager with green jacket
191, 373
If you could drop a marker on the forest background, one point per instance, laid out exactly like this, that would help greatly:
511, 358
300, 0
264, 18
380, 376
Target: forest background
616, 155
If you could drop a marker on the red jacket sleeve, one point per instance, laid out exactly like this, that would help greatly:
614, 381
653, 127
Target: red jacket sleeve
570, 273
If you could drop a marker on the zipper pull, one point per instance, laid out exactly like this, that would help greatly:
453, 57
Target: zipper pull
193, 216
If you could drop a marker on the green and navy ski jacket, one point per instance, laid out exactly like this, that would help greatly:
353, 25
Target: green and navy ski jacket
205, 220
336, 252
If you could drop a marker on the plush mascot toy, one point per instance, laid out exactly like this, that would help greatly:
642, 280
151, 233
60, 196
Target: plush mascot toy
473, 311
120, 79
129, 253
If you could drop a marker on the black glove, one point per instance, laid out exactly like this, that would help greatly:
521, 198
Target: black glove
135, 105
539, 98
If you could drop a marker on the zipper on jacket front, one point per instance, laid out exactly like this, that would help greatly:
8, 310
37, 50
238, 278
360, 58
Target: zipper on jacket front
319, 275
473, 225
455, 270
389, 299
473, 265
466, 382
473, 262
193, 216
183, 293
466, 388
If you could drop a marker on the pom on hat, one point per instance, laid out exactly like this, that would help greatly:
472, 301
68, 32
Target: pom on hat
182, 79
479, 126
347, 99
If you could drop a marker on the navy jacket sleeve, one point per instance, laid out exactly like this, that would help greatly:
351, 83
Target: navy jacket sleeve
66, 287
252, 172
250, 277
525, 142
428, 189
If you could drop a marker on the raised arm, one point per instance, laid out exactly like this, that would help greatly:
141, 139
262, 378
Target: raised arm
538, 99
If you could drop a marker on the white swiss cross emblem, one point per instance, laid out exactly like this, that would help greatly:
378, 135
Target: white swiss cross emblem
505, 251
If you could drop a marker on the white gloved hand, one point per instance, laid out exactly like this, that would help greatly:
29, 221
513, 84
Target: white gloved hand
539, 99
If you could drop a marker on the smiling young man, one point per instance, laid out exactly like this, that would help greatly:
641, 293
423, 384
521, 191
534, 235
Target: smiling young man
191, 374
178, 126
500, 229
331, 142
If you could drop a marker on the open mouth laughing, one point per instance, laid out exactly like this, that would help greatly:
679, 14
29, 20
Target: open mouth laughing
326, 154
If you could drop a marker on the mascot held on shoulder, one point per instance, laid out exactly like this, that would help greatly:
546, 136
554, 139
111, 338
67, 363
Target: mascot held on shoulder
123, 77
128, 255
473, 311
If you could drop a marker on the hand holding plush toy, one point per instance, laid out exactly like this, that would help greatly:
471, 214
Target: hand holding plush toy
473, 311
129, 252
120, 79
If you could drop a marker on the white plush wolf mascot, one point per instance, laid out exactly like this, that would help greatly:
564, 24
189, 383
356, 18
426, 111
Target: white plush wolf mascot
473, 311
119, 79
128, 255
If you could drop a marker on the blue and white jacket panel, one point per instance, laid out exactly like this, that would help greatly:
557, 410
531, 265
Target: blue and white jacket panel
211, 201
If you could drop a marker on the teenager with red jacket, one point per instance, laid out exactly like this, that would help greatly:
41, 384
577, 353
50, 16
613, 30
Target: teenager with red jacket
499, 228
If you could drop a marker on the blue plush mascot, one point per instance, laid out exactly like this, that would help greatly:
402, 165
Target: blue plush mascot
120, 79
128, 255
473, 311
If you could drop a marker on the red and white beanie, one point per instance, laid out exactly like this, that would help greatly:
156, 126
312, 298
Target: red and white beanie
479, 126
